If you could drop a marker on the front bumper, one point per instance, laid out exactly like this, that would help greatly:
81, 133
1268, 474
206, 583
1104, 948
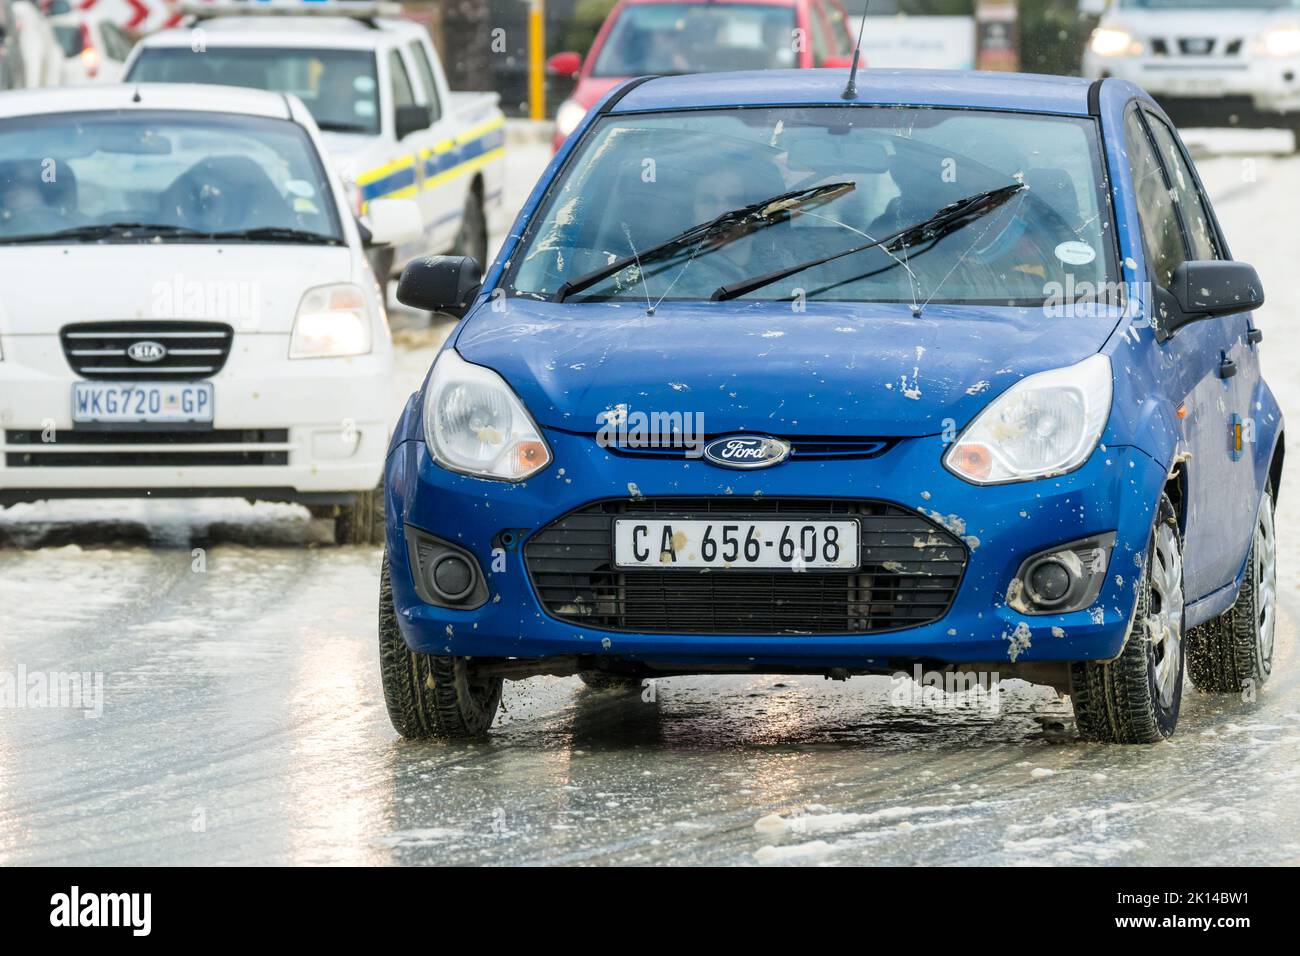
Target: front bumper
1270, 85
326, 419
1115, 490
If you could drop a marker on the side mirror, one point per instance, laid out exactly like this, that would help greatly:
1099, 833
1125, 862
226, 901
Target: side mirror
1205, 289
411, 119
564, 64
393, 222
440, 284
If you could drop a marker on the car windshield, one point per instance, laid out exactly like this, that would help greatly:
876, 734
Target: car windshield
639, 180
175, 172
339, 87
694, 38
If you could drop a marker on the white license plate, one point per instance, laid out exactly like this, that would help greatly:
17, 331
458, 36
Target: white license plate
139, 402
729, 543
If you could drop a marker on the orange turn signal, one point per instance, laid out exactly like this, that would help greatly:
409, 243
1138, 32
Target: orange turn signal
973, 460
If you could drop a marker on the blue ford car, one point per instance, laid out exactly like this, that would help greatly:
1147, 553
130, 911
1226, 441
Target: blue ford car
955, 371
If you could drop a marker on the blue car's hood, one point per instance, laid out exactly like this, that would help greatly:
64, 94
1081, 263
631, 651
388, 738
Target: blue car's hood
853, 370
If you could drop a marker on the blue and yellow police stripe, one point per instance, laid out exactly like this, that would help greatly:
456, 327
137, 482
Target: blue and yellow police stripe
471, 150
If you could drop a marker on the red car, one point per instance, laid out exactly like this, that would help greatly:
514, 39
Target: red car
641, 37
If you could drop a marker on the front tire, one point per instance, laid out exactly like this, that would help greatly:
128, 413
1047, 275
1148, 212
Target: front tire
428, 696
472, 239
603, 680
1234, 652
361, 522
1135, 698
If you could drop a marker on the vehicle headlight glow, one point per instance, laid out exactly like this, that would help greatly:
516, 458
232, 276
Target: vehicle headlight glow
1045, 424
332, 322
474, 423
568, 116
1114, 41
1282, 41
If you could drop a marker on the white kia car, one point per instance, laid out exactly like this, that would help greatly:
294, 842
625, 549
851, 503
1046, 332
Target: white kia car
187, 307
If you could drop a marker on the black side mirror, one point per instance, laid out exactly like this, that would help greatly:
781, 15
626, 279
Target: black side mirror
1206, 289
411, 119
440, 284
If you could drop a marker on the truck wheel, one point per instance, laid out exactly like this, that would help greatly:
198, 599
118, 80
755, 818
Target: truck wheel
601, 680
1234, 651
1134, 699
429, 696
361, 522
472, 239
381, 263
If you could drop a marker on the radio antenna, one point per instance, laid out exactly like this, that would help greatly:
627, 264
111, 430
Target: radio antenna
851, 91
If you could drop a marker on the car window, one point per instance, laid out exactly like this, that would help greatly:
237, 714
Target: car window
425, 70
639, 180
403, 94
338, 86
821, 43
70, 38
1196, 216
1161, 235
119, 46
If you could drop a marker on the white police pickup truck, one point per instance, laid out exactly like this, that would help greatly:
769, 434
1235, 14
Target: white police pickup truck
1208, 62
376, 89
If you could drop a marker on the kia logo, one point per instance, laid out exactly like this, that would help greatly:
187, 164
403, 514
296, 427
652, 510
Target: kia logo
745, 452
146, 351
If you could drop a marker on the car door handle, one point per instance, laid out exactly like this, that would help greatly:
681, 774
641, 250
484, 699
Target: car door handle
1254, 336
1227, 368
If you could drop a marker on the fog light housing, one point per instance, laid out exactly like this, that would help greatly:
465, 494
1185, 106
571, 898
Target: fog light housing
445, 574
1062, 579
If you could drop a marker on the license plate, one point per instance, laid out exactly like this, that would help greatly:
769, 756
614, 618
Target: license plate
666, 544
135, 402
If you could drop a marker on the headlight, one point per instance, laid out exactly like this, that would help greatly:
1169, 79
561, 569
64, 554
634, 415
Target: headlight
475, 424
1114, 41
1282, 41
568, 116
332, 322
1046, 424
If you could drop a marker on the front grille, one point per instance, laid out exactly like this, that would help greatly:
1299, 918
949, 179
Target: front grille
1196, 46
127, 447
801, 449
101, 350
909, 573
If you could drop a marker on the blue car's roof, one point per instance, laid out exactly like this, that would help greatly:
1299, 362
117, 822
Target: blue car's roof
954, 88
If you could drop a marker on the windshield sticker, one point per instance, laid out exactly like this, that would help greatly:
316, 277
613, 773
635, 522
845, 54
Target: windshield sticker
300, 187
1075, 253
363, 108
364, 84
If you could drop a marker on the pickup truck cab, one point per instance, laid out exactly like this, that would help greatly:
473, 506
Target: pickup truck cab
1208, 62
376, 89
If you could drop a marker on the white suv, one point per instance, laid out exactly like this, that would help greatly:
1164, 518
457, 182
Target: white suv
187, 306
1208, 62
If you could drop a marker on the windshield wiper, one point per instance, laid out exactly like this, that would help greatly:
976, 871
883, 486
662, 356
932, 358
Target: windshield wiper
756, 215
275, 234
328, 127
105, 231
946, 221
146, 230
